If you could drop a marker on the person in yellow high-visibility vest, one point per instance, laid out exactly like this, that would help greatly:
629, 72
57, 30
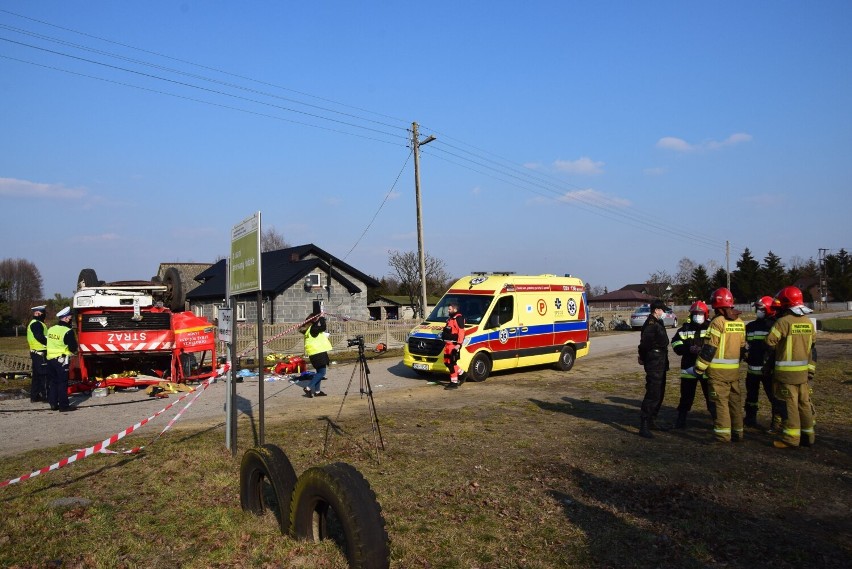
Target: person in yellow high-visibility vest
61, 345
37, 341
791, 342
719, 358
317, 346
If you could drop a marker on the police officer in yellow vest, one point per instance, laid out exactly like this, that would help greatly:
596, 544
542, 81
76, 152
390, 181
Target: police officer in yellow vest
61, 345
791, 341
37, 340
317, 346
719, 358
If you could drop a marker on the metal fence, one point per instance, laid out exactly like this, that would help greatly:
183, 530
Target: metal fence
286, 339
11, 366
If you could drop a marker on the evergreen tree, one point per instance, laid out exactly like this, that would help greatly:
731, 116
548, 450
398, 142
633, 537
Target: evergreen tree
838, 271
700, 286
773, 277
720, 278
801, 269
744, 280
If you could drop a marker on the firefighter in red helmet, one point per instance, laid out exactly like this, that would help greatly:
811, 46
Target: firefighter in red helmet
757, 374
793, 358
686, 343
719, 359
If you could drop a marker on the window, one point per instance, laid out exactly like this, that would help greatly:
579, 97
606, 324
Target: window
313, 280
241, 311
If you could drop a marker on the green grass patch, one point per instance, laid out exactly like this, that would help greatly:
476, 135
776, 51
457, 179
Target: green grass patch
836, 325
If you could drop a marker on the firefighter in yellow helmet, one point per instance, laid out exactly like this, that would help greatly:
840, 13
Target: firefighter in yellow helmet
791, 342
719, 359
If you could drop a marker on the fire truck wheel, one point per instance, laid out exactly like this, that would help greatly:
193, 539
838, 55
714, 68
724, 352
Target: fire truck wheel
267, 480
336, 502
173, 297
88, 277
480, 367
566, 359
156, 279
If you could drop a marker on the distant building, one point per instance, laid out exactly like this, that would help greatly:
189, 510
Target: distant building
292, 280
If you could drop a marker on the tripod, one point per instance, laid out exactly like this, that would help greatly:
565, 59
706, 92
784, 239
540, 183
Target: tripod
364, 388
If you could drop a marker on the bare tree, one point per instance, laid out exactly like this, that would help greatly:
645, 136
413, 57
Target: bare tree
406, 267
659, 284
271, 240
24, 287
685, 268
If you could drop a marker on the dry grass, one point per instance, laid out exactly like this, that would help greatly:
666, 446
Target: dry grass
535, 469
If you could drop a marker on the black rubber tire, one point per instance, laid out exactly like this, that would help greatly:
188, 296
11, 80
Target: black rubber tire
267, 480
88, 277
336, 502
156, 279
173, 297
480, 367
566, 358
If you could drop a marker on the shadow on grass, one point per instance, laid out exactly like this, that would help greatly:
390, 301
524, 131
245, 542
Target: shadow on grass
636, 523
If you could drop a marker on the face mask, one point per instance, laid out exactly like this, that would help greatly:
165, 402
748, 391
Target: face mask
761, 314
660, 315
698, 318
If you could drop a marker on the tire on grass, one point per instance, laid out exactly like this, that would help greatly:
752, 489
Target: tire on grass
336, 502
267, 480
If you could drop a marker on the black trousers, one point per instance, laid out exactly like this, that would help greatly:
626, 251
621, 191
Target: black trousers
57, 393
687, 395
753, 382
38, 388
655, 384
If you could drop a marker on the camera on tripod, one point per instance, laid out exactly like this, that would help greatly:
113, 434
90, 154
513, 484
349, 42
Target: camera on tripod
356, 341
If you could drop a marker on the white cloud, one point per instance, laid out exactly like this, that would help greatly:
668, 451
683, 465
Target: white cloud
676, 144
331, 201
96, 238
594, 197
476, 191
393, 195
10, 187
583, 165
532, 165
656, 171
680, 145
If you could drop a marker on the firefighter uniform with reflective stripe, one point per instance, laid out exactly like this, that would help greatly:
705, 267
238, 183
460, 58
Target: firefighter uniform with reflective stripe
792, 341
688, 337
37, 340
758, 374
720, 359
61, 345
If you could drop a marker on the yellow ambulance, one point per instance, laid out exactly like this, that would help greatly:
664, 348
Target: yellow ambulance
510, 321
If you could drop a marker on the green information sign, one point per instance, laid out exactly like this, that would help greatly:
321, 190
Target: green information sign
245, 256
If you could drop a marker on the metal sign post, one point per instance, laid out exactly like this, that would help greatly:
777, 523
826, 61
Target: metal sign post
244, 276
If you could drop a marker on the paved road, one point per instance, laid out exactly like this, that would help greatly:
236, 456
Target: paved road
29, 426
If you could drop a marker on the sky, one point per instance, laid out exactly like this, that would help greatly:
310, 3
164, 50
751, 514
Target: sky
606, 140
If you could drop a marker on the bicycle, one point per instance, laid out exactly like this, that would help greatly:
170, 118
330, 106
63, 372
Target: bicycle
617, 322
597, 324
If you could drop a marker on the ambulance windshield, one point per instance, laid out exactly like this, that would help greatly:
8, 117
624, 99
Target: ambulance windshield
472, 307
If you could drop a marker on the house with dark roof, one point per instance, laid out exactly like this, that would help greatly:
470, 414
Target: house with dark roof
622, 298
292, 279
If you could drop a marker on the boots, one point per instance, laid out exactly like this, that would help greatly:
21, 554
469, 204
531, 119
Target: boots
644, 429
655, 426
680, 422
750, 417
775, 428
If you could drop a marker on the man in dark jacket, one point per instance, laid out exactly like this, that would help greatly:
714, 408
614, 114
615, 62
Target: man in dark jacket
758, 374
654, 356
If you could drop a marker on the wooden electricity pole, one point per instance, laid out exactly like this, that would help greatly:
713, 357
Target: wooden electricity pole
421, 251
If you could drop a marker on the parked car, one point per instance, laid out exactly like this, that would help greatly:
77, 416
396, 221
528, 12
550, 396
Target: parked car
637, 319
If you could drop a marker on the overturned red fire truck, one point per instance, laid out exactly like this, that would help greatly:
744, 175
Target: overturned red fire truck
134, 333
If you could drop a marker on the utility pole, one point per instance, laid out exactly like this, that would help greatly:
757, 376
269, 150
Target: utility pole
728, 263
823, 278
421, 251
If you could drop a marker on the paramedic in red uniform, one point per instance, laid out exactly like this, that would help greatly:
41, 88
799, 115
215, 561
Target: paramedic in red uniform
453, 336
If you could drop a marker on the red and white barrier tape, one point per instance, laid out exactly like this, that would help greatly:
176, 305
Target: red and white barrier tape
83, 453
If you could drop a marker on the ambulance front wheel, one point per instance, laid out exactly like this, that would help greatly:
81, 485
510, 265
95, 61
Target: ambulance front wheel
566, 359
480, 367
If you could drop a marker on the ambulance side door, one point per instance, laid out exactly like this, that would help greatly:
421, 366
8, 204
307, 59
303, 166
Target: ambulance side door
503, 333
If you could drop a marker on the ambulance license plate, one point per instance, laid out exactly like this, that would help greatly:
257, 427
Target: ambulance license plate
424, 367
